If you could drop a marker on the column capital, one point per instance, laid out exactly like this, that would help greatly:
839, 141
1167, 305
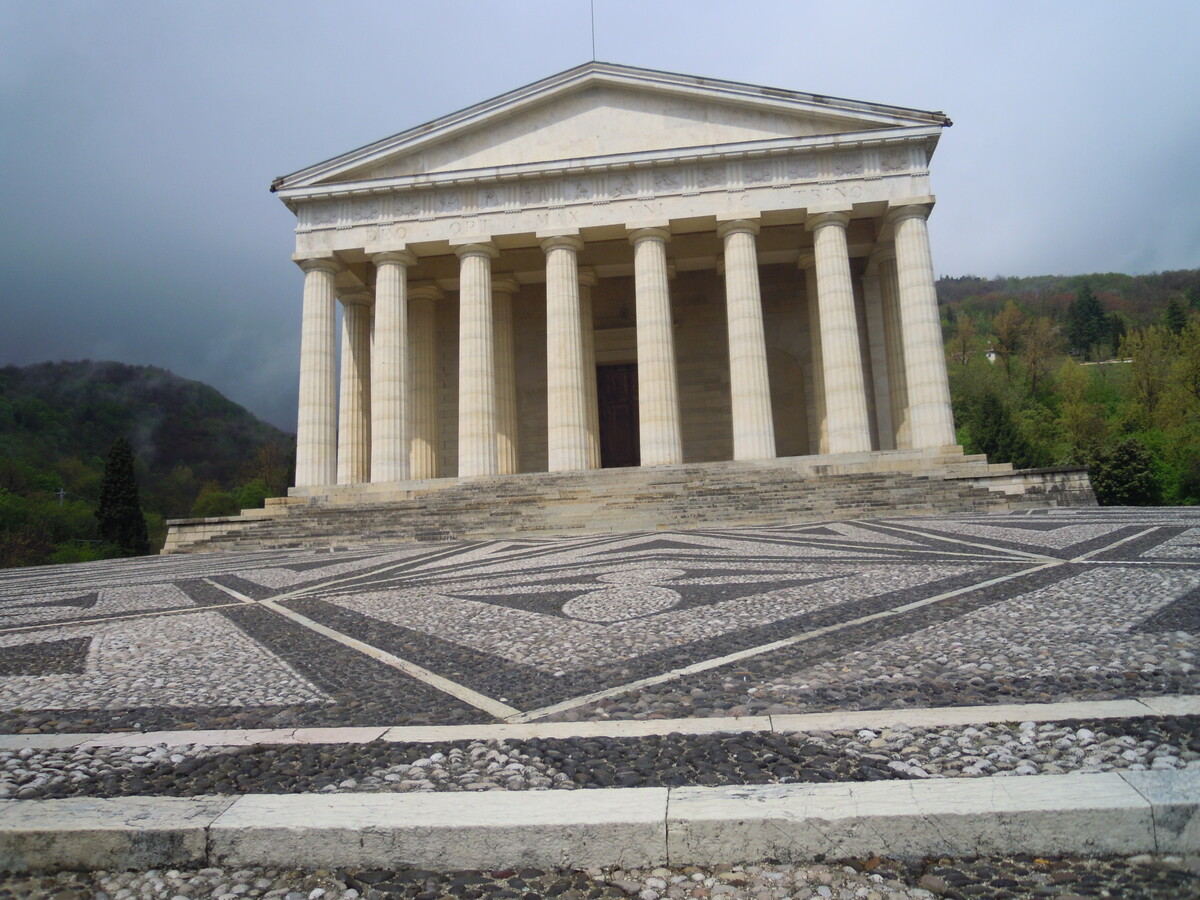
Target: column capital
400, 257
563, 241
806, 260
319, 264
477, 248
587, 276
878, 257
358, 297
651, 233
738, 226
505, 284
899, 212
840, 218
426, 290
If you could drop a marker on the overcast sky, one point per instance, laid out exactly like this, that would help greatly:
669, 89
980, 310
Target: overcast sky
138, 140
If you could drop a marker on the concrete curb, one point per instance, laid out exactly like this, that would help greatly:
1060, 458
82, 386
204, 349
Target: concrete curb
881, 718
1081, 815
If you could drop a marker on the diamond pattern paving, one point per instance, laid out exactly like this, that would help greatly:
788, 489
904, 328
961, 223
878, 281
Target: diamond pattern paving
1057, 604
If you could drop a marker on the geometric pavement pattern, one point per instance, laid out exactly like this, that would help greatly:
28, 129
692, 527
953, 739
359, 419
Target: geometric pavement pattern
1100, 602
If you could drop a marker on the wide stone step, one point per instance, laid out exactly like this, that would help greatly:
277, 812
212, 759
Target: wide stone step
670, 497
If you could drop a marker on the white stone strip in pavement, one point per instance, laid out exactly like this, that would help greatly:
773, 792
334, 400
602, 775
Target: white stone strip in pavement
946, 716
991, 548
1084, 557
749, 652
445, 685
1046, 815
103, 620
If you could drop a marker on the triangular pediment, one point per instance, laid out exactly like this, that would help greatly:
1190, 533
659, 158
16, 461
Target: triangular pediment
602, 110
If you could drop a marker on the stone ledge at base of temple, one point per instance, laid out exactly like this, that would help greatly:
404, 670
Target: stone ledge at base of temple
678, 497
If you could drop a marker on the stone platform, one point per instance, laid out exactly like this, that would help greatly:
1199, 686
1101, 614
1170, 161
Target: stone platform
737, 706
723, 494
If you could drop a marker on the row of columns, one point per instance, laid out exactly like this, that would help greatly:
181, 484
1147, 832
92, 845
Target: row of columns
386, 428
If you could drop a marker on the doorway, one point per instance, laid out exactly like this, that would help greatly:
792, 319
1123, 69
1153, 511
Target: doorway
617, 399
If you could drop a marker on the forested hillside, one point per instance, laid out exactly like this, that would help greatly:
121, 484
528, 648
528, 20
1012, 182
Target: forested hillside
1099, 370
196, 452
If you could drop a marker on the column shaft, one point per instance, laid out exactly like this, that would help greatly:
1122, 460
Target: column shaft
390, 382
818, 437
658, 391
749, 387
845, 391
566, 394
924, 354
354, 413
423, 409
897, 381
877, 341
316, 424
587, 281
508, 447
476, 363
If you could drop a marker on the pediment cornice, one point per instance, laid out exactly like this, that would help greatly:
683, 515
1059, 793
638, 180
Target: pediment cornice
848, 116
880, 141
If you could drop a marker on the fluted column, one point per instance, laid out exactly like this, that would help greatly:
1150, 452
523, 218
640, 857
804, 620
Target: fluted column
354, 409
818, 430
658, 391
932, 422
316, 425
390, 381
877, 343
508, 447
587, 281
897, 382
423, 405
566, 396
845, 391
476, 362
749, 387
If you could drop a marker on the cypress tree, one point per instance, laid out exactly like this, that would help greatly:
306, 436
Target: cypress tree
1174, 317
120, 510
1087, 323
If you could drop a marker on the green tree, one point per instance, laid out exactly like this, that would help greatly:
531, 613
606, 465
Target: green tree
120, 511
1087, 323
994, 432
252, 494
1124, 475
1116, 330
1041, 347
1081, 422
1009, 326
1174, 317
1151, 352
214, 501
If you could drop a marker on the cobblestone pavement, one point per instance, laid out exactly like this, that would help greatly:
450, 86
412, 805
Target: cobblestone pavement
880, 614
1131, 878
874, 614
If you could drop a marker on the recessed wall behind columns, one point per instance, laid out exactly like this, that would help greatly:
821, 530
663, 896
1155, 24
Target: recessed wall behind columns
702, 356
785, 323
529, 340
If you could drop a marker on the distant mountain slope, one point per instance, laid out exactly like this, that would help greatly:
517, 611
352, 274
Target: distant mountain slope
77, 409
1140, 299
194, 449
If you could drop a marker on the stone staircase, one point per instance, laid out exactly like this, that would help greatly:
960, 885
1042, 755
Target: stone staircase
698, 495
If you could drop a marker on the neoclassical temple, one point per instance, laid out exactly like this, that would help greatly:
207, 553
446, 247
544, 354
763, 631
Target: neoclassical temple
619, 267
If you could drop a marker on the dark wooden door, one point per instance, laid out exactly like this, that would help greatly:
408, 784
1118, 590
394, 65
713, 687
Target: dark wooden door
617, 399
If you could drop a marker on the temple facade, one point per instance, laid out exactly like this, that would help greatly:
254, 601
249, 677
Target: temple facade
619, 267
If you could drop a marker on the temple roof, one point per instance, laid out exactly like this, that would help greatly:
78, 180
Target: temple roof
600, 110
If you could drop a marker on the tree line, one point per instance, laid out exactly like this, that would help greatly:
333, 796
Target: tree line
1040, 377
